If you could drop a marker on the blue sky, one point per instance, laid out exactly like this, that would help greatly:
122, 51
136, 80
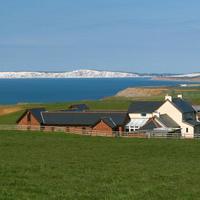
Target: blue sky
120, 35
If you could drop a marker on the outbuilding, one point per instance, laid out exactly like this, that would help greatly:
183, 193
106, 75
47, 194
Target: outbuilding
100, 122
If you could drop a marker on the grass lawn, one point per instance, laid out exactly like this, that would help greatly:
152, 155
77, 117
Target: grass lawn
60, 166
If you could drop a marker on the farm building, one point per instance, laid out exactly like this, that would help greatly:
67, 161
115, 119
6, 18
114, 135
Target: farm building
172, 115
79, 107
97, 122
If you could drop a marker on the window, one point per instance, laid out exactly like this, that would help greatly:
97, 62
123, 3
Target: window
143, 114
186, 130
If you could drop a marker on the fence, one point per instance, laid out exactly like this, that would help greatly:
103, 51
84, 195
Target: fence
90, 132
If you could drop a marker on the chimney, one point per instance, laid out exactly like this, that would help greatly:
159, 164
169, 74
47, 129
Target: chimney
168, 97
180, 96
156, 114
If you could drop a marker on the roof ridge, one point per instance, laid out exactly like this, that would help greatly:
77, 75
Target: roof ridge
112, 121
81, 112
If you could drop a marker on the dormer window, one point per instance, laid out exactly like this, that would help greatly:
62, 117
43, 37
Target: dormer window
143, 114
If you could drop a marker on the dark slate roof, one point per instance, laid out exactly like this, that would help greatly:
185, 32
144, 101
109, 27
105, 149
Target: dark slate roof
79, 107
144, 106
82, 118
150, 125
36, 112
182, 105
109, 121
193, 122
168, 121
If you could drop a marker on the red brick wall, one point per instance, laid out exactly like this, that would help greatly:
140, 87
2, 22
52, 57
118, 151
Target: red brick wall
83, 129
102, 128
99, 129
71, 129
24, 120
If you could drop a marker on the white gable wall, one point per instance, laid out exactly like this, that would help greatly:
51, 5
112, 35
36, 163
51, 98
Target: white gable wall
169, 109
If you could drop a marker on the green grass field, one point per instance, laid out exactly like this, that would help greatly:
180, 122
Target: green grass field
60, 166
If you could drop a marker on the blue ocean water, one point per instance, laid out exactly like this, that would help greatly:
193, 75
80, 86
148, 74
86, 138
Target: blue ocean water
60, 90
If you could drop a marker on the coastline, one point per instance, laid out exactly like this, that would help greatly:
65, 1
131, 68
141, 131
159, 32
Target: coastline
196, 79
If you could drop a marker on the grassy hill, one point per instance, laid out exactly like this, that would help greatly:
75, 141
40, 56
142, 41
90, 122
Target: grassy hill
60, 166
190, 93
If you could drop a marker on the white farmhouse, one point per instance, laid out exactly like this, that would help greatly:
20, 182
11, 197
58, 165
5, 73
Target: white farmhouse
174, 115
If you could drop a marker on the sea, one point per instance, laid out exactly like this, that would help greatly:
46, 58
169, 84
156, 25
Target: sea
14, 91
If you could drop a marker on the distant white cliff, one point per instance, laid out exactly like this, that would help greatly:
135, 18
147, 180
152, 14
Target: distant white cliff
71, 74
191, 75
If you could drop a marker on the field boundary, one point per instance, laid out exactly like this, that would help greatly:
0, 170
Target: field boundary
138, 134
